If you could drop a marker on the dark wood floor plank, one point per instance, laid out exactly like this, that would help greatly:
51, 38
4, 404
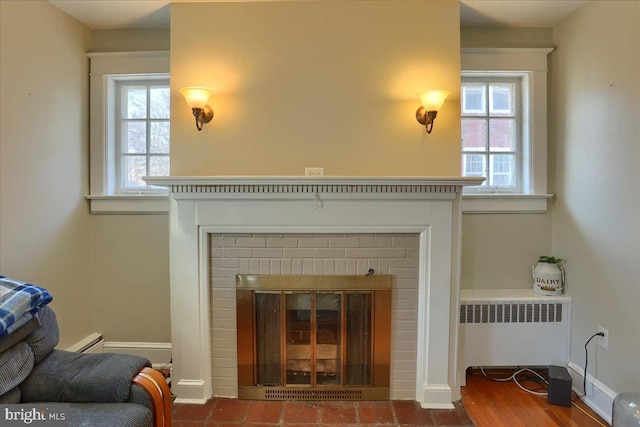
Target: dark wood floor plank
496, 404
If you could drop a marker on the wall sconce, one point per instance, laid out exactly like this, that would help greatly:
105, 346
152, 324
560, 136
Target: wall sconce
197, 98
432, 101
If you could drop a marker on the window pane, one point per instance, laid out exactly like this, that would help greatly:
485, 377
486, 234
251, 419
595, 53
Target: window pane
159, 166
501, 99
474, 165
134, 137
473, 99
159, 137
502, 134
134, 168
474, 134
159, 105
502, 170
134, 102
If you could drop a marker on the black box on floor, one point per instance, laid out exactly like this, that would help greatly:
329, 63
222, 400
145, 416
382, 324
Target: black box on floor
559, 386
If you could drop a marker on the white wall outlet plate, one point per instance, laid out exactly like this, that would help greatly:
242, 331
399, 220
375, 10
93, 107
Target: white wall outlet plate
313, 171
603, 341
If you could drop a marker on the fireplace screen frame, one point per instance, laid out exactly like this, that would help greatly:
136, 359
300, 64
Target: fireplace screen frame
379, 289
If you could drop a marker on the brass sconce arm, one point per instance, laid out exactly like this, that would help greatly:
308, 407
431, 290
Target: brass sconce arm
426, 118
202, 115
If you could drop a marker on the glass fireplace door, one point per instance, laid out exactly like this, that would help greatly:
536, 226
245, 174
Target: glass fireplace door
328, 338
298, 351
318, 343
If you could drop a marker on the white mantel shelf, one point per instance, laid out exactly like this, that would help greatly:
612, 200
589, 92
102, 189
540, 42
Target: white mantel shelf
313, 184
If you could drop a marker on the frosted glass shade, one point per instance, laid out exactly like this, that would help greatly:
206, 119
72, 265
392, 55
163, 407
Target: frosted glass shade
196, 97
432, 100
626, 409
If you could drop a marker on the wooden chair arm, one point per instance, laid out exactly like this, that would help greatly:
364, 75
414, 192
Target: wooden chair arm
156, 386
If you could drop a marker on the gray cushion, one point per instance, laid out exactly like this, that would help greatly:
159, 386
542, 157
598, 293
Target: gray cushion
109, 415
12, 396
19, 334
46, 337
64, 376
140, 396
15, 365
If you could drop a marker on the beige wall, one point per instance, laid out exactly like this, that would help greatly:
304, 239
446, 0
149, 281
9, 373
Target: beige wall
106, 273
130, 256
131, 277
321, 84
499, 249
44, 219
596, 224
506, 37
129, 40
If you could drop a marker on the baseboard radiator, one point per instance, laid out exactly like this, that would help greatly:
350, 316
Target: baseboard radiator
513, 327
92, 343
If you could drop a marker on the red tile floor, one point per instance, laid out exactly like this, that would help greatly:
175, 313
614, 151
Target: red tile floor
253, 413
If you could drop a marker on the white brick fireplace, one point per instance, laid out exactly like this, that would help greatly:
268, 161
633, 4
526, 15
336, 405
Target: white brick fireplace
202, 207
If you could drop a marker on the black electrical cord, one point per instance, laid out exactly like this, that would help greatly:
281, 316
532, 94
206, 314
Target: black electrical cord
586, 363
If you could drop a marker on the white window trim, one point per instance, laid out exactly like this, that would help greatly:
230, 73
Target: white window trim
533, 62
521, 116
104, 66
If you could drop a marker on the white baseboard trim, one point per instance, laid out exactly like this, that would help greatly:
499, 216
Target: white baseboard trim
190, 391
159, 353
598, 397
437, 396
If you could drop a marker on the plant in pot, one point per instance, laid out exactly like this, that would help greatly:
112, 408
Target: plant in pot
548, 276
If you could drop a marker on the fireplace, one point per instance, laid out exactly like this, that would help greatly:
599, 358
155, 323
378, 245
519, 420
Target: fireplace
313, 337
428, 207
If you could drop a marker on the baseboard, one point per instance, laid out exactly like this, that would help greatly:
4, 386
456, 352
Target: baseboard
190, 391
598, 397
159, 353
437, 396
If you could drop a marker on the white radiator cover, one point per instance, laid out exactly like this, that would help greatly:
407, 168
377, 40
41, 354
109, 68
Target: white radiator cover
513, 327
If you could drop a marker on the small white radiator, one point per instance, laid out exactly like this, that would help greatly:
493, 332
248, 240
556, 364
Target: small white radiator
92, 343
513, 327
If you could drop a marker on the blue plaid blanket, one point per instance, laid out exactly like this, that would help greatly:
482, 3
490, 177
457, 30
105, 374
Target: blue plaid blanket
19, 302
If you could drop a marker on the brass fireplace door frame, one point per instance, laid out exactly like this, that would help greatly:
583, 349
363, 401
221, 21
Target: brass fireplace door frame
380, 288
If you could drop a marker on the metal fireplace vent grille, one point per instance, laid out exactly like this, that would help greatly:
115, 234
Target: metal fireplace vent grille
510, 313
294, 394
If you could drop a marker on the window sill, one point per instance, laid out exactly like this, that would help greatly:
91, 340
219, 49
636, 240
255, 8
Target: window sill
505, 203
145, 204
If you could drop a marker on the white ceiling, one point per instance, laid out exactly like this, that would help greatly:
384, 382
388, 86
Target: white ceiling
516, 13
119, 14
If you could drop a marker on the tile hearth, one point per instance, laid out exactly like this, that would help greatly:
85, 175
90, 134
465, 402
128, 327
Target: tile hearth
251, 413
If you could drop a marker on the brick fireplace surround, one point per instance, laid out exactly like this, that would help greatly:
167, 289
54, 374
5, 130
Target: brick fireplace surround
206, 210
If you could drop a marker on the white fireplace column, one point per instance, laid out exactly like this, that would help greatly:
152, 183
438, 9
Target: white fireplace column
428, 206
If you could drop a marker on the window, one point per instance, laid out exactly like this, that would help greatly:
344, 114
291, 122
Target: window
142, 133
503, 102
491, 132
129, 131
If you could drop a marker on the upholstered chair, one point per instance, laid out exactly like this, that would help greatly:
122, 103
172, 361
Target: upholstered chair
101, 390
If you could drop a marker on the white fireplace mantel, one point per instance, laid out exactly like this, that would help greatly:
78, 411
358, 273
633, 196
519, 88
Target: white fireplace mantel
428, 206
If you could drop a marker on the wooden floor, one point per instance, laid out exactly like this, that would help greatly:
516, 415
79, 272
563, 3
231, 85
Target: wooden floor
495, 404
